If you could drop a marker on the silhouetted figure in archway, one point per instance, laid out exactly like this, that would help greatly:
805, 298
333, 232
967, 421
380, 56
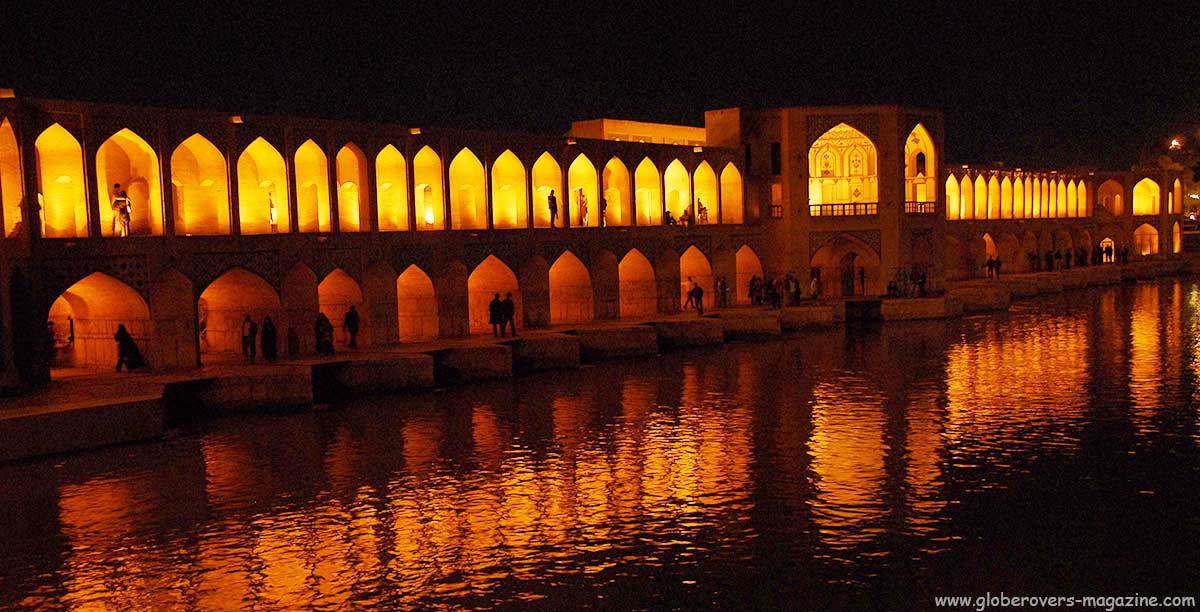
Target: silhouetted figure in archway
508, 315
270, 338
249, 336
691, 295
552, 204
350, 323
495, 315
127, 350
668, 218
324, 333
998, 267
603, 211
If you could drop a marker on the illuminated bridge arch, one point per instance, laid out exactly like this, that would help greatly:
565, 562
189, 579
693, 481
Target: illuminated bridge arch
226, 301
581, 185
391, 187
354, 214
11, 185
509, 201
1146, 197
200, 188
707, 196
61, 189
427, 190
838, 262
695, 265
616, 192
547, 178
571, 297
490, 277
417, 306
262, 188
732, 206
126, 159
747, 267
843, 169
648, 193
637, 286
312, 188
86, 316
468, 196
335, 295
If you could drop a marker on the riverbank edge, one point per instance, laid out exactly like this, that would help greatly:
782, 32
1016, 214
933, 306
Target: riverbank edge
73, 421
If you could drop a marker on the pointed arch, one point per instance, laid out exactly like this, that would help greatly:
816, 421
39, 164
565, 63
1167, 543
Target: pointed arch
12, 190
427, 190
571, 297
1085, 209
1146, 197
126, 159
989, 246
417, 307
1176, 238
920, 166
1145, 240
1063, 207
678, 188
1006, 199
1029, 187
312, 188
62, 191
226, 302
1176, 199
547, 179
706, 197
489, 278
1072, 200
967, 197
199, 188
981, 198
616, 191
748, 266
354, 203
637, 286
953, 201
843, 168
86, 316
1045, 206
391, 189
1018, 195
1110, 193
262, 188
509, 201
336, 295
694, 266
468, 193
844, 264
993, 195
581, 186
649, 193
732, 206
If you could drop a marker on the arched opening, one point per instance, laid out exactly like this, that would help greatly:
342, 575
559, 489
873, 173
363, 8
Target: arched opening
967, 197
200, 188
581, 182
312, 188
427, 190
1006, 199
989, 246
706, 197
1176, 238
732, 206
509, 202
1056, 206
1047, 198
747, 266
1063, 205
417, 306
354, 211
126, 160
1028, 198
1177, 198
224, 305
1036, 198
1072, 200
1019, 211
637, 287
468, 194
1085, 210
678, 189
1145, 197
571, 298
694, 267
843, 169
953, 202
1145, 239
920, 166
993, 195
85, 319
262, 189
981, 198
335, 296
547, 179
1110, 197
391, 188
61, 190
649, 193
619, 210
846, 266
489, 278
11, 190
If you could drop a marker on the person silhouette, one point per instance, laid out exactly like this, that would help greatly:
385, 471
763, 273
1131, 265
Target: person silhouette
552, 204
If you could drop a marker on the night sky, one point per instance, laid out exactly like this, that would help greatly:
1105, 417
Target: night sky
1032, 85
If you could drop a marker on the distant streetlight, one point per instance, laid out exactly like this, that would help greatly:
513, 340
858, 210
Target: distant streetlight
1176, 144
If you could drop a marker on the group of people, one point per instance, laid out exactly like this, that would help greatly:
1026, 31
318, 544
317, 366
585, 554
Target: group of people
774, 291
685, 218
695, 297
993, 267
502, 315
268, 336
1064, 259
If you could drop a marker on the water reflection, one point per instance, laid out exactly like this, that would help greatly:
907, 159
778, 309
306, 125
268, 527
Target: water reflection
745, 476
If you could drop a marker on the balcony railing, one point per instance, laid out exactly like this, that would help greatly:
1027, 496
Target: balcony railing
843, 210
920, 208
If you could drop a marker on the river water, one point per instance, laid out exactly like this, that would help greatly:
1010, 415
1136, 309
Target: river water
1050, 450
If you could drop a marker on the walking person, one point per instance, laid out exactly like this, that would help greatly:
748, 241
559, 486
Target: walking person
270, 337
508, 315
249, 336
495, 316
128, 354
350, 324
698, 298
691, 293
552, 204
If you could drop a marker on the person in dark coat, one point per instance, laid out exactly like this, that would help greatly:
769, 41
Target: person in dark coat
127, 350
508, 315
350, 323
495, 315
269, 337
324, 333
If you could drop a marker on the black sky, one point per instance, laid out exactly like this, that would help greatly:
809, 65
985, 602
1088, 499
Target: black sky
1030, 84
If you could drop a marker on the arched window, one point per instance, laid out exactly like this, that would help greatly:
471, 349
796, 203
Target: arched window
262, 189
427, 190
312, 188
843, 173
1145, 197
508, 192
200, 188
468, 202
391, 185
354, 212
732, 207
127, 160
11, 190
61, 193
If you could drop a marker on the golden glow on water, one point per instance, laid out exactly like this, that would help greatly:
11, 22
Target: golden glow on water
835, 457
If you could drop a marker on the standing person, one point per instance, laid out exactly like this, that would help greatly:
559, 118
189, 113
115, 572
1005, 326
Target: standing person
552, 204
249, 335
691, 295
991, 267
698, 298
350, 323
668, 218
324, 333
270, 336
125, 213
814, 287
508, 315
603, 210
997, 267
754, 283
127, 350
495, 316
116, 207
271, 214
582, 208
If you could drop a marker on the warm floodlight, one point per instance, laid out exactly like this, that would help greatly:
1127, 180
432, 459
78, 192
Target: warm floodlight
1176, 144
236, 119
414, 131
